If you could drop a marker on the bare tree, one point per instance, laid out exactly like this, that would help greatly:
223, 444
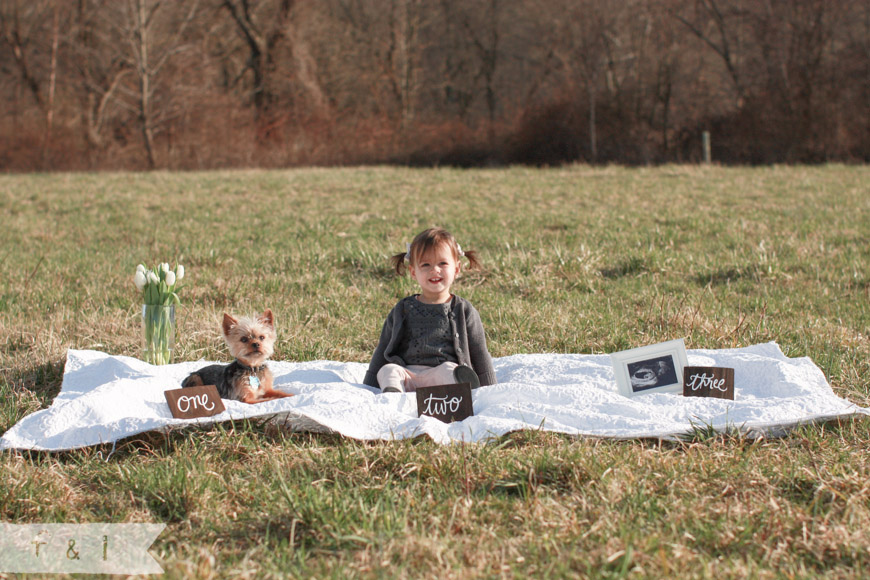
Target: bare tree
484, 37
376, 64
52, 84
20, 31
718, 23
403, 57
582, 29
262, 31
123, 51
150, 55
101, 71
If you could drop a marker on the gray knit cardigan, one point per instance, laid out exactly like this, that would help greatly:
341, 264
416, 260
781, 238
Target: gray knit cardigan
469, 340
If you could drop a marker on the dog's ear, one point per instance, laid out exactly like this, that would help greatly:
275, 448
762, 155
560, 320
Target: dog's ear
267, 318
228, 324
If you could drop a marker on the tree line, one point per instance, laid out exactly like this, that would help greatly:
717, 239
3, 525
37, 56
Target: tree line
198, 84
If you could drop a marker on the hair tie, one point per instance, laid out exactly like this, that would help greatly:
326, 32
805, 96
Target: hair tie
408, 252
459, 249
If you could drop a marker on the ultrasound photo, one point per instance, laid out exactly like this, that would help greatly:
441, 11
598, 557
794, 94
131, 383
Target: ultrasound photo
652, 373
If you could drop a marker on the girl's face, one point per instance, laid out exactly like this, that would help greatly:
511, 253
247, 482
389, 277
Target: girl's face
435, 272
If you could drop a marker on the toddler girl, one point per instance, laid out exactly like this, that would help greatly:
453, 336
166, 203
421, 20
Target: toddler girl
434, 337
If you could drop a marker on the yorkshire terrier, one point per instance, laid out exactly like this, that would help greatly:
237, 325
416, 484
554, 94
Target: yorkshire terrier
247, 379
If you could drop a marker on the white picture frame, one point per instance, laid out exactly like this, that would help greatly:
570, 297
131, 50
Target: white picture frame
657, 368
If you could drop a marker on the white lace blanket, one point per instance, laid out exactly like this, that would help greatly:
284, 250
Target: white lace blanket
106, 398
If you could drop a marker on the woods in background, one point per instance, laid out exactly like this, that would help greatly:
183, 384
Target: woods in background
200, 84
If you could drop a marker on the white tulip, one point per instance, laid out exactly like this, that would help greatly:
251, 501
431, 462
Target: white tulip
139, 279
170, 278
152, 278
140, 268
179, 272
164, 266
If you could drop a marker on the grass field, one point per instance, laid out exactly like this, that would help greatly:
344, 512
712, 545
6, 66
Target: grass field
577, 259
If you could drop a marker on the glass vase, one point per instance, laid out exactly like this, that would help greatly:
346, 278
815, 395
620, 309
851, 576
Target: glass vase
158, 333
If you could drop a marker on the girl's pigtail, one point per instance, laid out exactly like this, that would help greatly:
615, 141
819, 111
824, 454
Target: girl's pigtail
398, 262
473, 262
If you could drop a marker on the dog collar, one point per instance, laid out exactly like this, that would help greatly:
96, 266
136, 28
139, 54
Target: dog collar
253, 369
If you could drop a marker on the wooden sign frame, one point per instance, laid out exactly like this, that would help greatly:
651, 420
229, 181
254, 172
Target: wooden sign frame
194, 402
446, 403
715, 382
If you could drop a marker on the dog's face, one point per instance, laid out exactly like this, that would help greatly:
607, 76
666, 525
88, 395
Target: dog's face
251, 340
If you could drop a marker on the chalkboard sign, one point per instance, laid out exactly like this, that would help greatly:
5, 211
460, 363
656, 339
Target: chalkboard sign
716, 382
193, 402
446, 403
